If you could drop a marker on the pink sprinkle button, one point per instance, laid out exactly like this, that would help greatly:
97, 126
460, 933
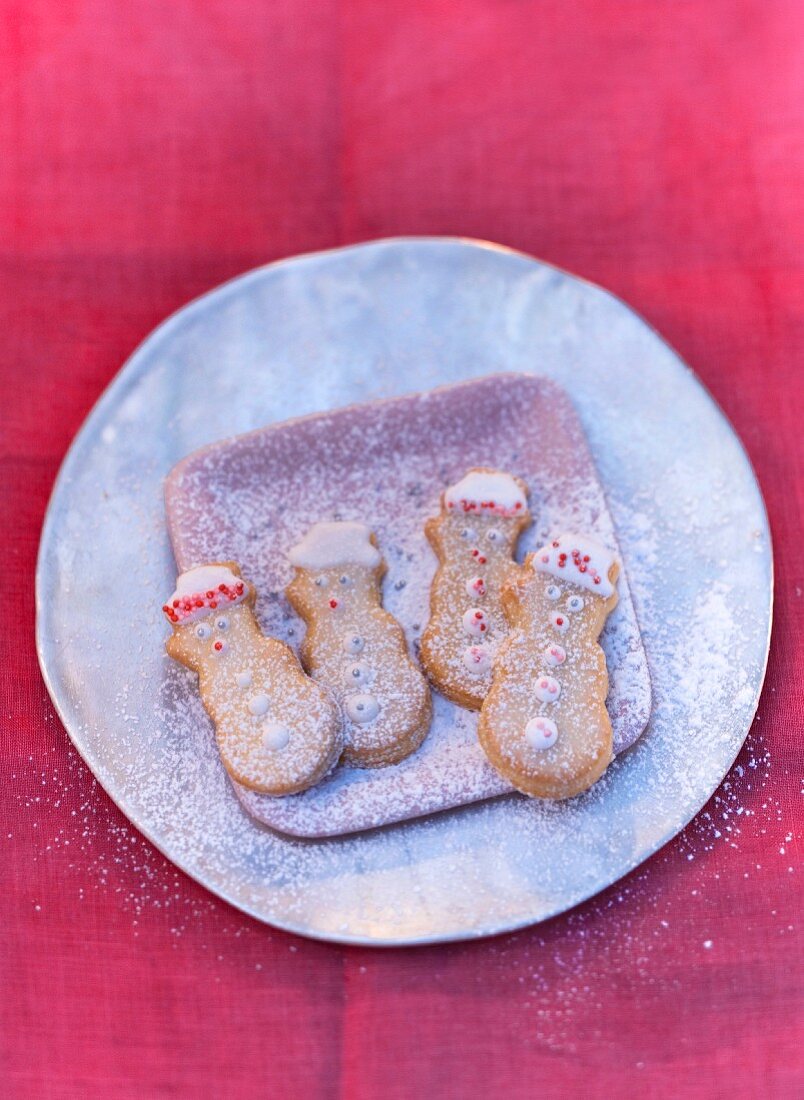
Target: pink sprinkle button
541, 733
547, 689
555, 655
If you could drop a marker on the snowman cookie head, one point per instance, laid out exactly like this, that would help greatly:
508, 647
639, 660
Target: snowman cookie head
482, 516
210, 608
337, 568
568, 583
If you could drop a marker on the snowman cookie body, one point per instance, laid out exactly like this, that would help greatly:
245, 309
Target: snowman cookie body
355, 647
277, 731
544, 724
475, 539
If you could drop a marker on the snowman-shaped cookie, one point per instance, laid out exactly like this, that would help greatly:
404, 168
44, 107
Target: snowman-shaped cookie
474, 538
355, 647
544, 724
278, 732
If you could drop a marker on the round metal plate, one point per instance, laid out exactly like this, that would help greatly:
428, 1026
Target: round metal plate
391, 317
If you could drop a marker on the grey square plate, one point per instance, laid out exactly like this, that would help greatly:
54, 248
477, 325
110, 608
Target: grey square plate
325, 330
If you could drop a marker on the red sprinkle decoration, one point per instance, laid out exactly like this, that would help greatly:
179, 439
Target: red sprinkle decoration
218, 646
333, 604
184, 607
485, 505
580, 563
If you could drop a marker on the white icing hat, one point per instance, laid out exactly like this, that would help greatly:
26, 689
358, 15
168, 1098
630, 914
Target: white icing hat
578, 559
202, 590
489, 491
328, 545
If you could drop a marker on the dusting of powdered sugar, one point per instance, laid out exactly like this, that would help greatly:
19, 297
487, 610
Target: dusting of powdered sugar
383, 319
253, 498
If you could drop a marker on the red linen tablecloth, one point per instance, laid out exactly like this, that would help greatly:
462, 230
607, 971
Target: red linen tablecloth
150, 150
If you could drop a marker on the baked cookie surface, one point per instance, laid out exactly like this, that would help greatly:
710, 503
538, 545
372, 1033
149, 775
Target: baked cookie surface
355, 647
277, 731
544, 724
474, 538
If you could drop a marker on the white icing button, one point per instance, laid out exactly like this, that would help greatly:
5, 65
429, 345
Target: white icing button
552, 591
575, 603
244, 679
258, 704
353, 643
362, 708
477, 658
476, 587
547, 689
359, 673
555, 655
559, 622
541, 733
276, 736
474, 621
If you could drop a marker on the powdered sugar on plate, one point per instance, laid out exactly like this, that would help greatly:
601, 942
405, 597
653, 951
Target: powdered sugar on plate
315, 333
251, 499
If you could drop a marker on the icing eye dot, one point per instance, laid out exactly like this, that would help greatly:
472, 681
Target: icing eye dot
552, 591
222, 623
493, 534
343, 580
203, 630
574, 603
467, 533
319, 582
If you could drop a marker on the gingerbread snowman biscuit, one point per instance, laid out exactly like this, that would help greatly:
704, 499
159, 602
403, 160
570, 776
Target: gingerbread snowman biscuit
544, 724
474, 538
355, 647
278, 732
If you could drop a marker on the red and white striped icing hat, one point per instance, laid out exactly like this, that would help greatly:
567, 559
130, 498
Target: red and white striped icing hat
578, 559
202, 590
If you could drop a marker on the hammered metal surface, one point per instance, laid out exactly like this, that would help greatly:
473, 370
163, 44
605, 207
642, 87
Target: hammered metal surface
322, 331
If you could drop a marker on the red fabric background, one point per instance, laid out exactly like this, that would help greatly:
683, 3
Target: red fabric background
150, 150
